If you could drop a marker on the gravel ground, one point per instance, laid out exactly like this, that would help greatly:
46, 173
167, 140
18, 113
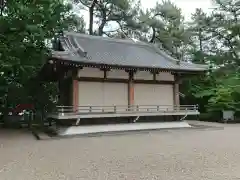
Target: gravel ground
212, 154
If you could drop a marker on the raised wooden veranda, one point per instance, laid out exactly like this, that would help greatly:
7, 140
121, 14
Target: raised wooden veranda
71, 112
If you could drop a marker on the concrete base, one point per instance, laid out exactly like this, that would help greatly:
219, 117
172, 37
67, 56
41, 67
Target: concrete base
78, 130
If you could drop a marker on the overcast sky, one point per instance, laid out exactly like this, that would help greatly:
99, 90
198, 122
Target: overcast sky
188, 6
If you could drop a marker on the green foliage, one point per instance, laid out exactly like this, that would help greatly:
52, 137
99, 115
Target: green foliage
217, 43
166, 24
26, 27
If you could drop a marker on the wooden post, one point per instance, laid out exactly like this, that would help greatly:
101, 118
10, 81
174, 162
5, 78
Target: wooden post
75, 95
130, 90
176, 94
75, 90
176, 99
154, 73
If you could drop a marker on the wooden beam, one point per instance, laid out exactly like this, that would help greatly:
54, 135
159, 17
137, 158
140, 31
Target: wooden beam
96, 79
116, 80
153, 82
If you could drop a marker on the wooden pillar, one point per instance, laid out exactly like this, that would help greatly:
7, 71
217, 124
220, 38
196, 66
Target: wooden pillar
130, 89
176, 98
176, 94
59, 92
75, 90
75, 94
154, 73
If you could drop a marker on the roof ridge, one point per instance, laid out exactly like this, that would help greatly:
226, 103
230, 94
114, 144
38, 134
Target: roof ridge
127, 41
89, 43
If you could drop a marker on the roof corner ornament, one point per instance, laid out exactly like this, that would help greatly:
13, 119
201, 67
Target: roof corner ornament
77, 47
81, 52
85, 54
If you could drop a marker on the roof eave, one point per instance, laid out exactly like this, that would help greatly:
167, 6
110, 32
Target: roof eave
84, 63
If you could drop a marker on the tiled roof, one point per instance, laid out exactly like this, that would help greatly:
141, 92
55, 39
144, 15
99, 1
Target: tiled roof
84, 48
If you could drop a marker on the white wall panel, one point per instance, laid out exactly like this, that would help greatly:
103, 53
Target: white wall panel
90, 72
115, 94
165, 76
117, 74
153, 94
102, 94
90, 94
143, 75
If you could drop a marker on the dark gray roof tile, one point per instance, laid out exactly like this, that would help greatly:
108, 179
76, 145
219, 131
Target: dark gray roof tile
103, 50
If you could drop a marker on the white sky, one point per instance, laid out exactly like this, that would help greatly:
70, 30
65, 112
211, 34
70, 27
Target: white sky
188, 6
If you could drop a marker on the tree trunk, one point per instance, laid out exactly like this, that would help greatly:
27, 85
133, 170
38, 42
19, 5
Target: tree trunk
104, 20
200, 41
91, 10
2, 6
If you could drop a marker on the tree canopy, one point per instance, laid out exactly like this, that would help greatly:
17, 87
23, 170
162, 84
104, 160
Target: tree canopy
27, 27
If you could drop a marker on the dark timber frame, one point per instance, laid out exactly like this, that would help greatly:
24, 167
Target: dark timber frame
64, 69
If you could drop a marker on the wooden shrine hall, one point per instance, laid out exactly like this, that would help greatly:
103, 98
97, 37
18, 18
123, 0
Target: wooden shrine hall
100, 77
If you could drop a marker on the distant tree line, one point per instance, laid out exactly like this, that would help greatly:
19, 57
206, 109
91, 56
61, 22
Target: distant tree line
213, 39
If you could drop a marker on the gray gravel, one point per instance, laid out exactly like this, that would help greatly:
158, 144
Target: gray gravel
166, 155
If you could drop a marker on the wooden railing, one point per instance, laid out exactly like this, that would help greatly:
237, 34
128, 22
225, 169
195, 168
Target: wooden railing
124, 109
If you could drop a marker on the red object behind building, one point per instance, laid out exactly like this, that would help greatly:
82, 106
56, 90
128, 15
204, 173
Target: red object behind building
20, 107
